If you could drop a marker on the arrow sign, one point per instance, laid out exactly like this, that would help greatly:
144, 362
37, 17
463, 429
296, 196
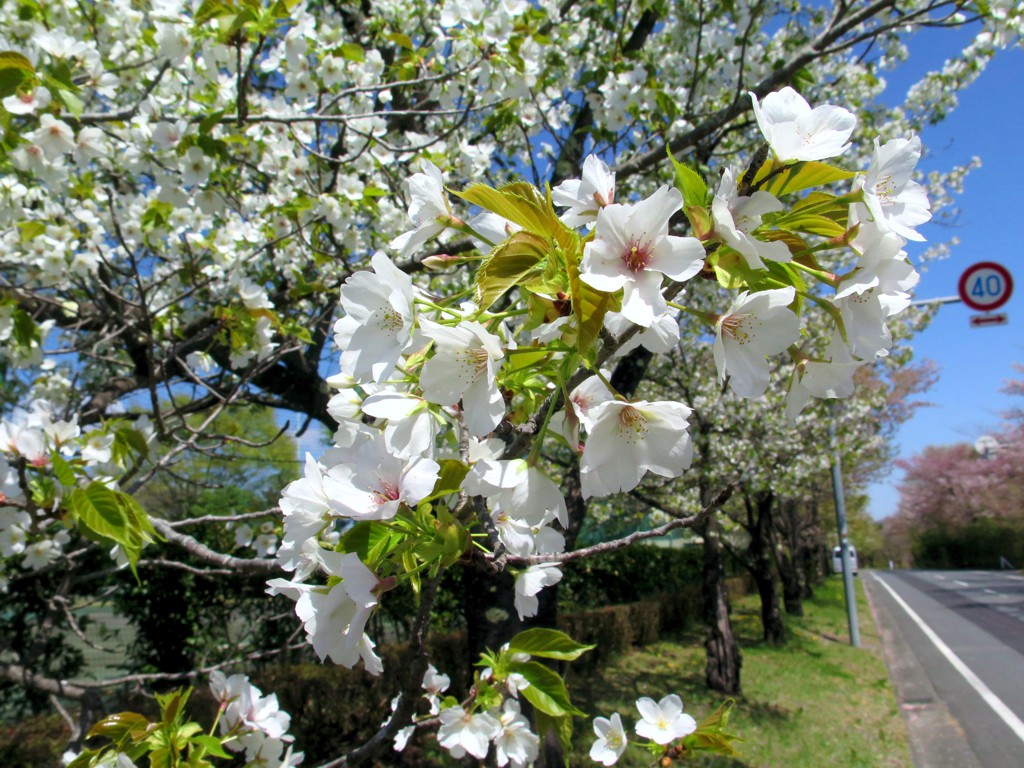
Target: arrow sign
994, 319
985, 286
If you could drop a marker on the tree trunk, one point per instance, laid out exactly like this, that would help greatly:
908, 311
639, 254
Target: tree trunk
722, 669
759, 514
788, 556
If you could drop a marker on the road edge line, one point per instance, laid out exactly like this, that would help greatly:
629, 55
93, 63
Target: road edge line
997, 705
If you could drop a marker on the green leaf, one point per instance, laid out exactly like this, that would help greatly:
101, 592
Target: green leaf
211, 744
112, 516
547, 691
781, 179
62, 470
812, 223
212, 9
353, 52
30, 230
690, 183
118, 726
363, 538
97, 508
402, 40
208, 123
561, 725
71, 102
156, 216
547, 643
514, 262
711, 735
449, 479
10, 80
519, 202
15, 60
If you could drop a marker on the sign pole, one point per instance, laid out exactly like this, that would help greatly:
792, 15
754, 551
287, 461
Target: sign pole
844, 535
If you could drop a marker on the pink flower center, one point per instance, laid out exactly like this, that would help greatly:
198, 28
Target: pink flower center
638, 255
737, 327
386, 493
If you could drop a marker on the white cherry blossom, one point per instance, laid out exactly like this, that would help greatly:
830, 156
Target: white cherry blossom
586, 196
633, 250
796, 132
377, 328
756, 325
737, 216
627, 440
892, 198
428, 209
664, 721
463, 732
530, 582
464, 367
611, 740
515, 744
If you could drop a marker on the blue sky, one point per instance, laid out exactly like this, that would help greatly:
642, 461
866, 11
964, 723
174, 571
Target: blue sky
974, 363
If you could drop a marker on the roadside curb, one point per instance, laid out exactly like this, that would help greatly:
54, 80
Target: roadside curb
936, 738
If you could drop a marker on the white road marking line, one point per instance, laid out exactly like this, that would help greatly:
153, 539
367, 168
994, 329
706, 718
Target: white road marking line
961, 583
940, 578
1004, 712
990, 592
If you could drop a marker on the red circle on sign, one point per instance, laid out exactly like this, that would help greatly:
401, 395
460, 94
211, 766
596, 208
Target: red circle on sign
985, 286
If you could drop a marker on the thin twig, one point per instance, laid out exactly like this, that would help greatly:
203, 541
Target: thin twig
690, 521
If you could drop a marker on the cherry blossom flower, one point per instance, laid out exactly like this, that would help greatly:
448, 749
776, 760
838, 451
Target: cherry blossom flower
632, 250
515, 485
891, 197
659, 337
195, 167
664, 722
585, 197
864, 310
428, 210
464, 367
374, 483
335, 617
377, 327
611, 740
27, 103
832, 378
796, 132
53, 136
736, 217
515, 744
411, 426
257, 721
628, 439
462, 732
756, 325
530, 582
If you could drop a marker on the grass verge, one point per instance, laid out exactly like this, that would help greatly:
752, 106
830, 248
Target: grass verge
816, 701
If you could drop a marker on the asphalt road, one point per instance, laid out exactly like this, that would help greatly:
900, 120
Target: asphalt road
955, 647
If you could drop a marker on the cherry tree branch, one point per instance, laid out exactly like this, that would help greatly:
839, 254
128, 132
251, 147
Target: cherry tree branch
410, 693
195, 547
689, 521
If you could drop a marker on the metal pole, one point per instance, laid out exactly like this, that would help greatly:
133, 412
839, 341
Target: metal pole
844, 541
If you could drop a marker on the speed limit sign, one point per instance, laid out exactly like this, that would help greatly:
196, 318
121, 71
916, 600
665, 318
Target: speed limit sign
986, 286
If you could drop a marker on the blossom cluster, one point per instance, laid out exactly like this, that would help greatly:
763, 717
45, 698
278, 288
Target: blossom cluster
468, 729
426, 384
662, 723
43, 459
255, 722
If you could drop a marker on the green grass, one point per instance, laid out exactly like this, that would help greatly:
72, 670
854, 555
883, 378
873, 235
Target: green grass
814, 702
